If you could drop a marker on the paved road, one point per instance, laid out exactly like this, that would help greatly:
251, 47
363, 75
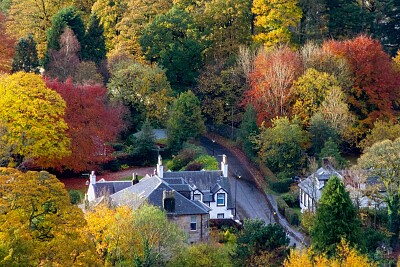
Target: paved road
251, 202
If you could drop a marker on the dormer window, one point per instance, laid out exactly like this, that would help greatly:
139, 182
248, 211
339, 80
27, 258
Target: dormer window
221, 199
197, 197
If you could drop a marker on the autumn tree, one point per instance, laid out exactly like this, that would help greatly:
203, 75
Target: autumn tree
382, 159
336, 218
144, 89
33, 17
93, 45
141, 237
309, 91
172, 41
344, 256
32, 116
6, 46
274, 20
376, 84
110, 14
185, 121
92, 121
271, 82
63, 62
227, 24
281, 146
26, 57
137, 15
382, 130
39, 226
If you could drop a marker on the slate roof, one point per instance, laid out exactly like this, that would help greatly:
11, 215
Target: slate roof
209, 182
151, 189
102, 188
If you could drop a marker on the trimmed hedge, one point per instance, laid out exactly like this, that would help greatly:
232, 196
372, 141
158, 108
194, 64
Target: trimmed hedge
282, 205
282, 186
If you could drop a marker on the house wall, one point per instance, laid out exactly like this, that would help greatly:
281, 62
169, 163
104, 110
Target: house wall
215, 209
201, 234
90, 193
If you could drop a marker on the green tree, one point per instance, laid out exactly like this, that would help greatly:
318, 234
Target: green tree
258, 237
388, 24
172, 41
66, 17
32, 119
39, 226
142, 145
281, 146
248, 131
382, 159
346, 18
144, 89
331, 150
26, 56
93, 45
320, 130
185, 121
313, 21
273, 19
335, 219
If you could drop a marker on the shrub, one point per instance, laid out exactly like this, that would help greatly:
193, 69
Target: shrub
75, 196
282, 186
292, 199
208, 162
282, 205
292, 217
194, 166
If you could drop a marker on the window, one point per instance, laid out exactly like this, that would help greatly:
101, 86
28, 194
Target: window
193, 223
220, 199
220, 216
197, 197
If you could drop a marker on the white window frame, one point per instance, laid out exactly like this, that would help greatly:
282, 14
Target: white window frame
223, 199
220, 216
193, 223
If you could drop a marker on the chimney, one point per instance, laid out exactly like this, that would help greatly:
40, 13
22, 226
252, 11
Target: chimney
160, 167
135, 179
92, 178
169, 201
224, 166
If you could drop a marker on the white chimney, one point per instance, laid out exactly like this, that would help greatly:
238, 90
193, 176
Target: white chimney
224, 166
160, 167
92, 178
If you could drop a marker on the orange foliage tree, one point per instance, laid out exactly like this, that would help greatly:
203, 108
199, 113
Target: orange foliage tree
376, 84
271, 82
7, 47
92, 124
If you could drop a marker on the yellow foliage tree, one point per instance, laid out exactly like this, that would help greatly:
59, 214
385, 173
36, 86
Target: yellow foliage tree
38, 225
143, 236
396, 60
32, 127
33, 17
273, 18
344, 257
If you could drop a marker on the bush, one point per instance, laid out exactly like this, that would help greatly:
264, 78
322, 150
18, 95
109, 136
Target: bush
282, 205
292, 199
112, 165
282, 186
75, 196
194, 166
208, 162
181, 160
292, 217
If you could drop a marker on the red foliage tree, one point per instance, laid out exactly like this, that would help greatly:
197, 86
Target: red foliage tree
92, 122
376, 84
7, 47
271, 82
